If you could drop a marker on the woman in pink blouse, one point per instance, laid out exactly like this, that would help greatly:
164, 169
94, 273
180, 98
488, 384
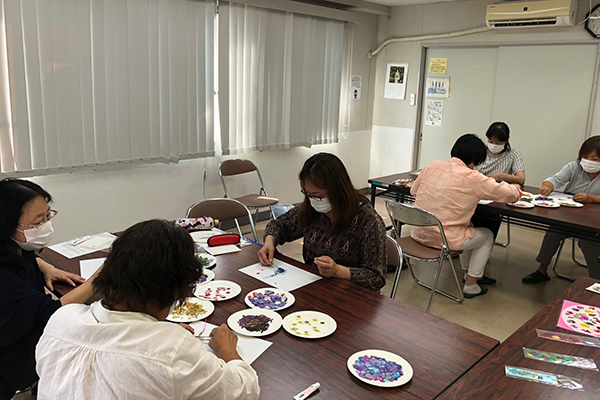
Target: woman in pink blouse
451, 190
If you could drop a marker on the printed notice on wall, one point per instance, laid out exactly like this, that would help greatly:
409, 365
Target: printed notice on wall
438, 87
395, 81
438, 65
433, 112
355, 85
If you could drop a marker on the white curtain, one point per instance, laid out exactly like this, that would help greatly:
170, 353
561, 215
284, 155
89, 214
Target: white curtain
281, 76
97, 82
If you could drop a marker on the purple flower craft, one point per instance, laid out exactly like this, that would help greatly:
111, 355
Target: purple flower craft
220, 293
255, 323
269, 300
377, 369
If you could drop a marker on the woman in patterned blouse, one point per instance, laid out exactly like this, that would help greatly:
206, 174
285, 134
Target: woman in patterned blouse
343, 235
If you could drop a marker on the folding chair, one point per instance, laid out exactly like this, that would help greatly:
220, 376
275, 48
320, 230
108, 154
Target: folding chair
554, 264
414, 216
252, 201
394, 258
507, 235
223, 210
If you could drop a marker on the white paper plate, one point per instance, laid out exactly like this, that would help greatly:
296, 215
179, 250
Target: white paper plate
290, 299
406, 367
234, 321
207, 276
217, 290
546, 203
309, 324
209, 259
522, 204
569, 203
206, 305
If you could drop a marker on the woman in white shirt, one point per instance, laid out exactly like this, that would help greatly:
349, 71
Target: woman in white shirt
121, 348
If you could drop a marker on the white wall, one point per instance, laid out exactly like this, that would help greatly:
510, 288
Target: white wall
396, 117
113, 198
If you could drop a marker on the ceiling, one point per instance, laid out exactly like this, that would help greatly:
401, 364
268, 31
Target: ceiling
393, 3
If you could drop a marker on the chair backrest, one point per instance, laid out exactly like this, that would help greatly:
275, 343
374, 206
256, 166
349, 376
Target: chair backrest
221, 209
238, 167
412, 215
394, 252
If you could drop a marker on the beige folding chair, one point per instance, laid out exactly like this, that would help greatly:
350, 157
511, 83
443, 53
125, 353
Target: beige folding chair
394, 258
414, 216
555, 263
223, 210
252, 201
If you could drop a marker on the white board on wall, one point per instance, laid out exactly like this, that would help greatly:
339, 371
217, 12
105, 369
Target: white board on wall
542, 92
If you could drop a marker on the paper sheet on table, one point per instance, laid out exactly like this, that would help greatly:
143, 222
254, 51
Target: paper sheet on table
292, 279
225, 249
101, 241
485, 201
249, 348
88, 267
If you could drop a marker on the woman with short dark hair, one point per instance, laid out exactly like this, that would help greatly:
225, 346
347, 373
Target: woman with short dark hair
25, 307
343, 235
120, 347
451, 190
581, 179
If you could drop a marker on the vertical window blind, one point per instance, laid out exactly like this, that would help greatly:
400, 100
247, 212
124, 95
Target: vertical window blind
281, 78
87, 83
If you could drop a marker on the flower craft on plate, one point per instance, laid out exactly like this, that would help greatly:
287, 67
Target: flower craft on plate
377, 369
217, 290
380, 368
309, 324
191, 309
269, 299
254, 322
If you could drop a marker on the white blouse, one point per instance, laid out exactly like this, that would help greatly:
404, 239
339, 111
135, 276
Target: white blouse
89, 352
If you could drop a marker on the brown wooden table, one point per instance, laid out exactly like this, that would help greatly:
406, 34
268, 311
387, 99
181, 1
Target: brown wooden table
487, 379
581, 222
439, 351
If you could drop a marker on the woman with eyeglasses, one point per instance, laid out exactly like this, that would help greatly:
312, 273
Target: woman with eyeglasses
343, 235
25, 226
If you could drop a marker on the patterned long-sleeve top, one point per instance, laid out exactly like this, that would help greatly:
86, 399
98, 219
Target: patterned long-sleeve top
361, 248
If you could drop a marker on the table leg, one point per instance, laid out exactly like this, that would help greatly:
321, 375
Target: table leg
373, 193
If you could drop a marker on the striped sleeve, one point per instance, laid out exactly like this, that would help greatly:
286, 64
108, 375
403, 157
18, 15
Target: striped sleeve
517, 162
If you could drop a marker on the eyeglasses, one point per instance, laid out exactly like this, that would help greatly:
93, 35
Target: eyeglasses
317, 198
51, 214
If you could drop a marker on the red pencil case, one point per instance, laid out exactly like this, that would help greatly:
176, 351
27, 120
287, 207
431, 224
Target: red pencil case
226, 238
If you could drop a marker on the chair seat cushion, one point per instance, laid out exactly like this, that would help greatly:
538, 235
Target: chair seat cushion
410, 247
257, 201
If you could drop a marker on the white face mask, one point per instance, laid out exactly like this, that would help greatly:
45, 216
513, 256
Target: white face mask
37, 238
323, 206
589, 166
495, 148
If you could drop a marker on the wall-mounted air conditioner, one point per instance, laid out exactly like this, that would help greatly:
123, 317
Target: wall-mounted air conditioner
531, 14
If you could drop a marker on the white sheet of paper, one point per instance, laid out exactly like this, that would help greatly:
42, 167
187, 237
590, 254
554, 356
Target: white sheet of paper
68, 250
292, 279
99, 241
249, 348
218, 250
88, 267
